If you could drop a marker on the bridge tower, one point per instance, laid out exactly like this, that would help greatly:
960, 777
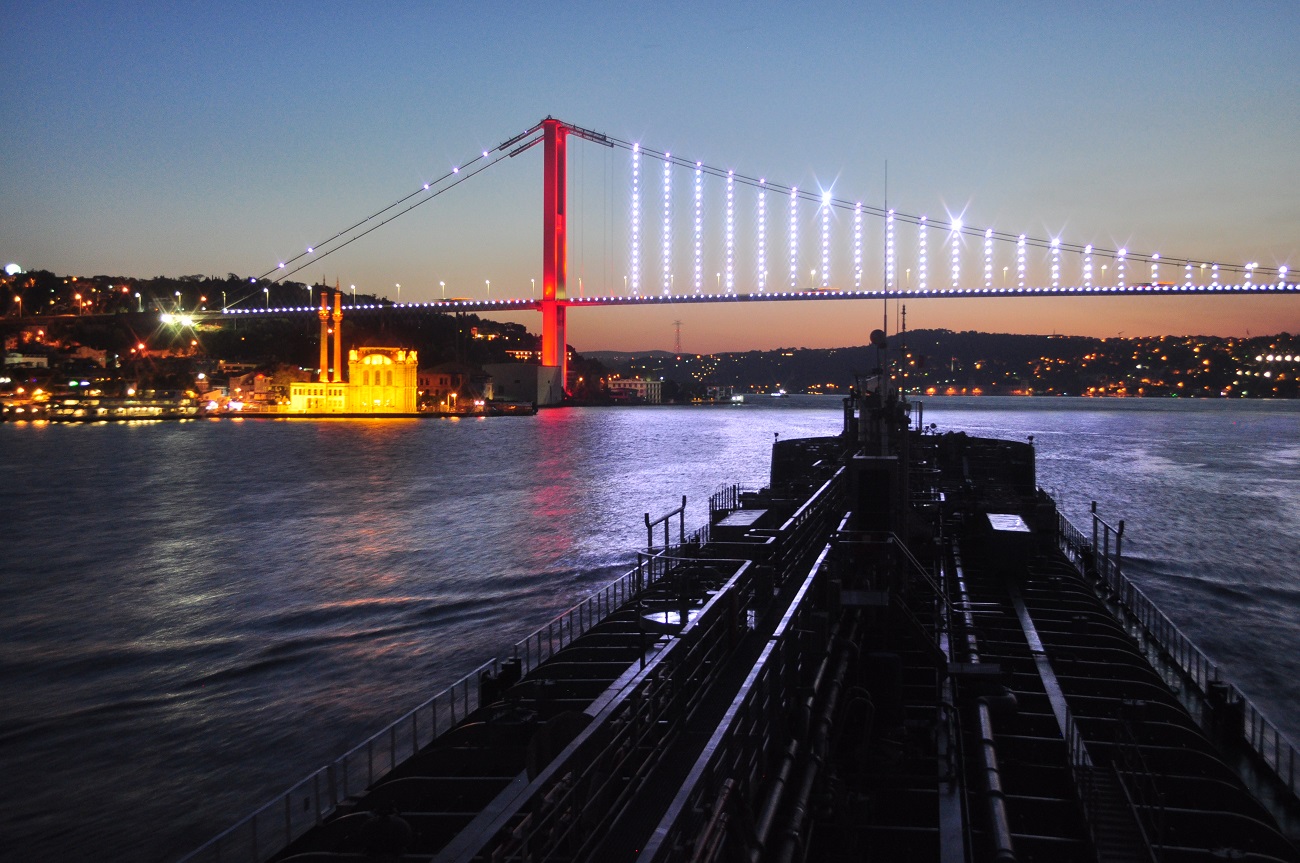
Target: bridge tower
555, 247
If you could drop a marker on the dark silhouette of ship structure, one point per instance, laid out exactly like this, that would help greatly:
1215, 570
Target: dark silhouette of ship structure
898, 650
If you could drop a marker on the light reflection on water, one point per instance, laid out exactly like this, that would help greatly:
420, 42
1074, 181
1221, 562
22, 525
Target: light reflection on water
196, 615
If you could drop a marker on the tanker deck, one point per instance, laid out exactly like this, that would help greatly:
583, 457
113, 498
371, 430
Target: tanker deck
898, 650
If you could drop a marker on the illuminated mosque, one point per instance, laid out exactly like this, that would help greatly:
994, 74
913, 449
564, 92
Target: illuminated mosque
380, 380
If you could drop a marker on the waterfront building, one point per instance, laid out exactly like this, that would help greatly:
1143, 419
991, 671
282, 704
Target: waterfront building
381, 380
637, 389
454, 388
525, 383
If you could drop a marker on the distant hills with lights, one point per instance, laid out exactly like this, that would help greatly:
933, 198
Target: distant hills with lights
935, 362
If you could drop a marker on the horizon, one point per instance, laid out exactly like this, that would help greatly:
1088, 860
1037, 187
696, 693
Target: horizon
1125, 127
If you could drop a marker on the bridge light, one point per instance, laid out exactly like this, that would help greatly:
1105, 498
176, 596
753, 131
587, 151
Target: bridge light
731, 231
699, 227
857, 245
956, 252
921, 265
762, 235
1020, 261
1056, 263
889, 250
636, 220
667, 231
426, 187
1120, 267
826, 234
1087, 266
988, 257
794, 238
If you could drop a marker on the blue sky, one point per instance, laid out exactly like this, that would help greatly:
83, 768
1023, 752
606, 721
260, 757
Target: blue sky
176, 139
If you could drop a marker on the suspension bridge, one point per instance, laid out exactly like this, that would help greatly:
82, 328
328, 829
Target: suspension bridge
850, 249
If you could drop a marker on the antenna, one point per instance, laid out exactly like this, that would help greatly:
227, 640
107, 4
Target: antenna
677, 340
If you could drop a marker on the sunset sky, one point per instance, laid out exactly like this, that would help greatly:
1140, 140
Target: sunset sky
179, 139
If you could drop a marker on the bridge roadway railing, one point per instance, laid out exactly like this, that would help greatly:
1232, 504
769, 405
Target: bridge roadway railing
277, 823
741, 754
1275, 751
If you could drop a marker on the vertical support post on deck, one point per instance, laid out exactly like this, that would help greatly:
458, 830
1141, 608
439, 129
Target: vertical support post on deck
554, 247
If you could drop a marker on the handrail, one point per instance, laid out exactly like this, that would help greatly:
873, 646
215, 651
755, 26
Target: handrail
742, 747
1264, 738
666, 521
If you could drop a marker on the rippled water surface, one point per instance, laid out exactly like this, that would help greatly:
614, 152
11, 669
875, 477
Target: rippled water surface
195, 615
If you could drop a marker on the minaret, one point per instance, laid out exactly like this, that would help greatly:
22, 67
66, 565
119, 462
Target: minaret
324, 314
338, 333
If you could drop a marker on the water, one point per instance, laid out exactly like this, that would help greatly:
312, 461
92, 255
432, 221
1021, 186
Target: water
195, 615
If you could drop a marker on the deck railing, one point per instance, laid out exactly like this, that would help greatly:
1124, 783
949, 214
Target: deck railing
1277, 753
744, 746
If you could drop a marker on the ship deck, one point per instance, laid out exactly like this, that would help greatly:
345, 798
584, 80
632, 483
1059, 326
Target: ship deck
897, 651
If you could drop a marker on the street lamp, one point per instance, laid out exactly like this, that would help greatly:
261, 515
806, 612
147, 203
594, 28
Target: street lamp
179, 307
223, 300
443, 285
489, 287
533, 291
354, 296
909, 278
267, 291
1004, 277
80, 307
399, 293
